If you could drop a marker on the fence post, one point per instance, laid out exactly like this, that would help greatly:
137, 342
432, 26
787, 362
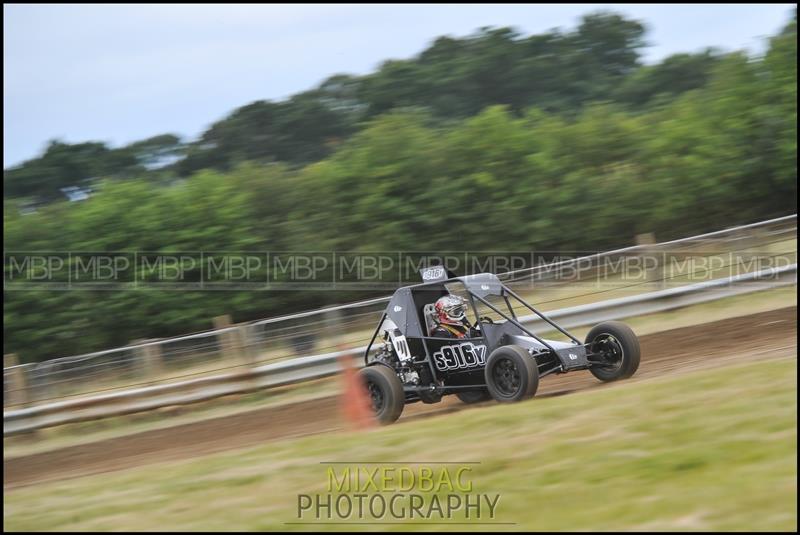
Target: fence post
230, 342
149, 358
653, 267
246, 341
332, 329
18, 384
752, 247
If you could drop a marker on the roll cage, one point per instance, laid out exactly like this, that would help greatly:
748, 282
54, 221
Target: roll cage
406, 310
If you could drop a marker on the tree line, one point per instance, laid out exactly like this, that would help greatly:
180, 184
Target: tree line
454, 78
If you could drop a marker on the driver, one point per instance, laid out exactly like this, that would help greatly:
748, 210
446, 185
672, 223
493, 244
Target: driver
451, 318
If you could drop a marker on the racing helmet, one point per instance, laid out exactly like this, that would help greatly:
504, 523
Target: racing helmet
450, 309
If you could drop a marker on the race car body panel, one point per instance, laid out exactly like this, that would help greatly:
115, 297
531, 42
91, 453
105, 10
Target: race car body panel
571, 355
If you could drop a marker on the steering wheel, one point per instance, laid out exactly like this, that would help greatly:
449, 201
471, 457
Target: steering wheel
486, 319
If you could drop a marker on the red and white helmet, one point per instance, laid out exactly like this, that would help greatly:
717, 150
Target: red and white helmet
450, 309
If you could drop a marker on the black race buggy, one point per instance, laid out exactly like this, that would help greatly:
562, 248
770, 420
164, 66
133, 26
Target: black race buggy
499, 358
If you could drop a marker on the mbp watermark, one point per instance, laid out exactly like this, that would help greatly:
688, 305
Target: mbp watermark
370, 271
398, 492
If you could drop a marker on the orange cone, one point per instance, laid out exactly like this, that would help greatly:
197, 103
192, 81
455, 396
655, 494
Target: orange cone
356, 405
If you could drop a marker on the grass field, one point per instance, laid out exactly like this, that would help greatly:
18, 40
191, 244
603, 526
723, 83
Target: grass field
706, 450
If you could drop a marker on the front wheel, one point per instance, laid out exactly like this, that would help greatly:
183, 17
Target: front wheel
385, 392
511, 374
618, 349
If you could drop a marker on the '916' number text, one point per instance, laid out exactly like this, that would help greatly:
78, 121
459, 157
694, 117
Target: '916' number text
466, 355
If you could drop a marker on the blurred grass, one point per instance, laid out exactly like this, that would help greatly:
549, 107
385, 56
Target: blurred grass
729, 307
106, 428
707, 450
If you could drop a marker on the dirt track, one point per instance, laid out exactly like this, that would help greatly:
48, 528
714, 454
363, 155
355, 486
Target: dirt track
712, 344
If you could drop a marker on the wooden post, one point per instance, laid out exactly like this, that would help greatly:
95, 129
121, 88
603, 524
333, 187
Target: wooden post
18, 385
246, 341
653, 270
149, 357
230, 342
332, 330
221, 322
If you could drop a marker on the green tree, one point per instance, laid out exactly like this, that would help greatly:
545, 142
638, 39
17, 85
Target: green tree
673, 76
64, 165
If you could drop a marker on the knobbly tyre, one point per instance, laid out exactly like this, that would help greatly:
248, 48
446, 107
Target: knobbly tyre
496, 357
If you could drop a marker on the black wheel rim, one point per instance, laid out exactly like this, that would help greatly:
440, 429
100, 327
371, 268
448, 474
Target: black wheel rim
610, 349
376, 395
506, 376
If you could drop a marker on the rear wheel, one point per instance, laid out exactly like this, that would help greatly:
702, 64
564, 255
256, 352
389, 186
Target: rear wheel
511, 374
618, 348
474, 396
385, 392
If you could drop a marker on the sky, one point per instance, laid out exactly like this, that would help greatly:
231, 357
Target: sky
121, 73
